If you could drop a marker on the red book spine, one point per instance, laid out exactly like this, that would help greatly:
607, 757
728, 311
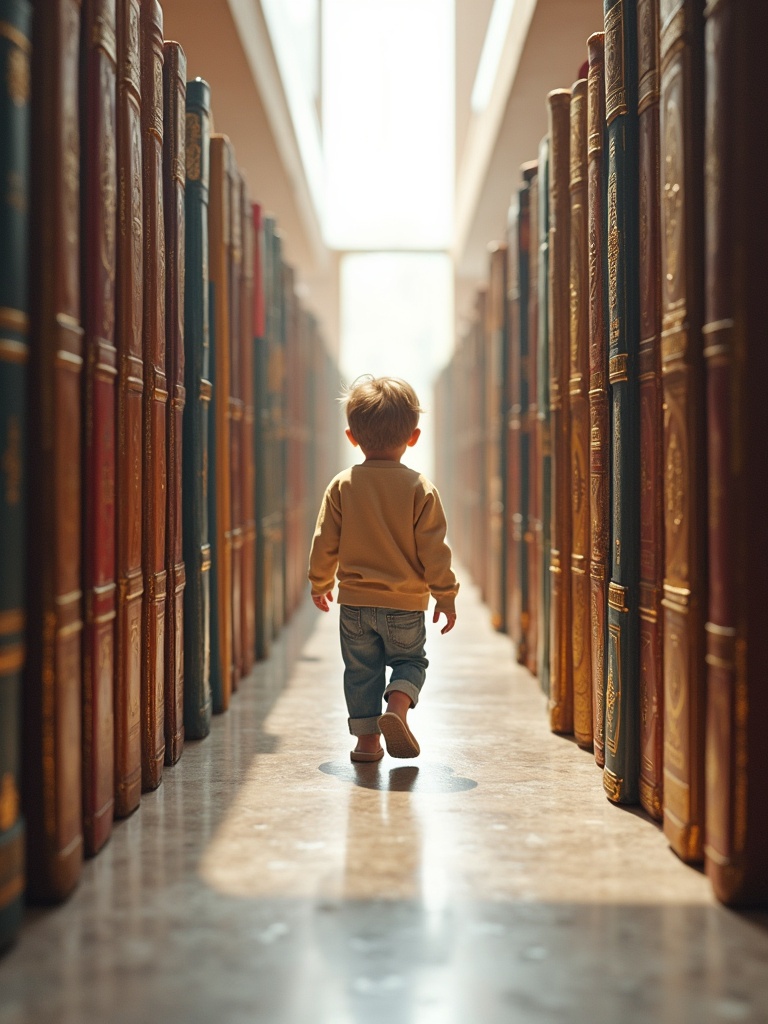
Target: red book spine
99, 204
155, 401
174, 170
651, 418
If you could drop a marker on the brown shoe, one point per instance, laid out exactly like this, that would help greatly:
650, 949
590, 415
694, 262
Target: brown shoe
399, 739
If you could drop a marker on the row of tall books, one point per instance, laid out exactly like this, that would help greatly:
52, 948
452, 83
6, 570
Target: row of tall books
607, 413
161, 444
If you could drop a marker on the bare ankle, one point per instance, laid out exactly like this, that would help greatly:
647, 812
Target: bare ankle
399, 704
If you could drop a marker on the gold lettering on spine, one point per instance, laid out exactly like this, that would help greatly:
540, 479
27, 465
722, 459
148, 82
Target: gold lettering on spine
194, 146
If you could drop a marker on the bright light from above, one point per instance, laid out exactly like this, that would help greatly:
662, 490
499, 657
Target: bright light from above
388, 123
493, 47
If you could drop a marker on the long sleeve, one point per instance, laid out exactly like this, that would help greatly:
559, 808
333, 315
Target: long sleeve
434, 553
324, 554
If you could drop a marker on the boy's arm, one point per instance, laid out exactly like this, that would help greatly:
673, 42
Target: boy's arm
435, 555
324, 554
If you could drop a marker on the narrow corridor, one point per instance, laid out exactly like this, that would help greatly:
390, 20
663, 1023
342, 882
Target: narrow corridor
269, 879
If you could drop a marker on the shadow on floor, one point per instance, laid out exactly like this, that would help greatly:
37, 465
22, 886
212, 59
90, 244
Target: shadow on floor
423, 778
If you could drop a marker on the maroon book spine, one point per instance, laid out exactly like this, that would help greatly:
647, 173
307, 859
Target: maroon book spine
155, 402
236, 417
247, 466
174, 172
599, 438
52, 697
99, 222
651, 417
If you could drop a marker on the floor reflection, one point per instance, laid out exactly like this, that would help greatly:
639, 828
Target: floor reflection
421, 778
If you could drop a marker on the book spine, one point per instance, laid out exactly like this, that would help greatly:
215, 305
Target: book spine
544, 426
533, 525
621, 772
248, 455
561, 660
99, 257
155, 402
52, 747
599, 425
129, 300
651, 416
496, 322
174, 159
736, 849
275, 441
15, 53
578, 398
196, 546
261, 435
219, 446
682, 299
235, 417
523, 242
513, 517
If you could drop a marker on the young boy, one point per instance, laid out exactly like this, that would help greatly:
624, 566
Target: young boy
382, 528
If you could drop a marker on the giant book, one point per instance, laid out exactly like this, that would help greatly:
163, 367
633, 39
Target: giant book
543, 422
532, 534
622, 696
196, 546
578, 398
15, 50
599, 416
736, 846
248, 452
561, 653
495, 468
155, 402
513, 517
219, 455
52, 701
174, 158
235, 415
129, 299
682, 368
651, 415
98, 182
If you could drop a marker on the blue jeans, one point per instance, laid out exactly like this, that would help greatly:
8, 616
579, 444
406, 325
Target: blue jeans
371, 639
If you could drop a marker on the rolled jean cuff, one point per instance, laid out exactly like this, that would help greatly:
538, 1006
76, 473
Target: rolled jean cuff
404, 686
363, 726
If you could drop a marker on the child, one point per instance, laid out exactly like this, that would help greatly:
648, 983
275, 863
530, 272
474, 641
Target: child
382, 528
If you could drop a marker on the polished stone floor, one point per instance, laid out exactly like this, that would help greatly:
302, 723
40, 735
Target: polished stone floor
270, 880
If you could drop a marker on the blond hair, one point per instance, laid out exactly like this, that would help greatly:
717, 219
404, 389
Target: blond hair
382, 412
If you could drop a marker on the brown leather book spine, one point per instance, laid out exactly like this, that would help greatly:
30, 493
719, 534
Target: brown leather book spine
736, 849
98, 212
247, 465
218, 244
513, 518
236, 416
651, 417
598, 387
685, 524
533, 529
578, 387
155, 402
52, 697
174, 169
129, 301
561, 661
496, 324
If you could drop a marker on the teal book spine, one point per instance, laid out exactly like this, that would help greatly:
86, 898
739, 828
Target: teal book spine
197, 370
622, 711
542, 401
15, 49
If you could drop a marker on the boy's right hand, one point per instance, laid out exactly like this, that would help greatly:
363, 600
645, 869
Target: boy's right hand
321, 601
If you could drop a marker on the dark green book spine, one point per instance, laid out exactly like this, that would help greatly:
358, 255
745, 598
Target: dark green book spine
197, 549
15, 49
621, 776
545, 440
523, 399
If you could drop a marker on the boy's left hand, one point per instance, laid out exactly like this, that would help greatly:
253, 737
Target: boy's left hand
450, 623
321, 601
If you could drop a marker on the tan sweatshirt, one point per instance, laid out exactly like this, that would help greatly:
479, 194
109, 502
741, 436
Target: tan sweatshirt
382, 527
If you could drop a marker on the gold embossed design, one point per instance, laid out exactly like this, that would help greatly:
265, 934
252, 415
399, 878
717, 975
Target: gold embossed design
18, 77
598, 648
648, 54
70, 210
612, 785
674, 699
9, 802
674, 497
576, 284
109, 202
672, 205
615, 84
11, 463
617, 480
194, 151
614, 246
618, 368
613, 690
133, 48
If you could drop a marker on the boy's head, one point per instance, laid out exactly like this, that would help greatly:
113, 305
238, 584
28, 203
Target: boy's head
382, 413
